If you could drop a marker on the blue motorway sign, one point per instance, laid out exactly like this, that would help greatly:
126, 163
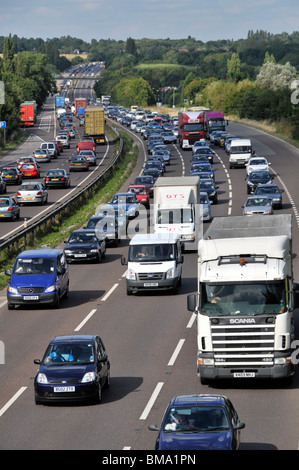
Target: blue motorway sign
2, 124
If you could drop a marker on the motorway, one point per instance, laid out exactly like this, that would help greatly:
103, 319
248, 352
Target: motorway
150, 339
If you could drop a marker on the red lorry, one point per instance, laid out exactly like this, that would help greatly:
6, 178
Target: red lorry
190, 128
28, 111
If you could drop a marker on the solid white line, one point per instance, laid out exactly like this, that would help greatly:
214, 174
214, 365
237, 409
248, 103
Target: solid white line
109, 292
152, 400
85, 319
176, 352
12, 400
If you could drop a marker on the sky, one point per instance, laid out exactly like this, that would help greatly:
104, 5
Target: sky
154, 19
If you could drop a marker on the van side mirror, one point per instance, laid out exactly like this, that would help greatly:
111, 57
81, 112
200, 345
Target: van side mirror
123, 261
8, 272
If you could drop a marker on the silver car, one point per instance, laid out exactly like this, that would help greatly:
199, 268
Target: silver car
256, 205
32, 192
205, 207
90, 156
42, 155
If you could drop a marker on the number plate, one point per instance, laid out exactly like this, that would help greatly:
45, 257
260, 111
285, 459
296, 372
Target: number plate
80, 256
150, 284
30, 297
244, 375
63, 389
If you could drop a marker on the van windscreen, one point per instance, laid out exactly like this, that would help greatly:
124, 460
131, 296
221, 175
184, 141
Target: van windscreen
152, 252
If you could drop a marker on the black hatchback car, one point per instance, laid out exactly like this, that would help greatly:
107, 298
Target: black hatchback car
84, 245
73, 368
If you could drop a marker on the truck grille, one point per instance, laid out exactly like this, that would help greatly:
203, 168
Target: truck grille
243, 344
150, 276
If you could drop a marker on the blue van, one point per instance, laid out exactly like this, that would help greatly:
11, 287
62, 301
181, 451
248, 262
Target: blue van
38, 277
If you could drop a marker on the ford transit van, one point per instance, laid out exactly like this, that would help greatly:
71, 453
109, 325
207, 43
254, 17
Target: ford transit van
154, 263
240, 152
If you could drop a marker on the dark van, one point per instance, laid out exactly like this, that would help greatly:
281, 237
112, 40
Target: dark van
38, 277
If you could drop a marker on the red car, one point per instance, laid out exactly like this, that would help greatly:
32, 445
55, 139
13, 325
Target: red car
141, 193
29, 170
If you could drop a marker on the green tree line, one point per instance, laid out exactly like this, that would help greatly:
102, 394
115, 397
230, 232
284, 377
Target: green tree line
25, 76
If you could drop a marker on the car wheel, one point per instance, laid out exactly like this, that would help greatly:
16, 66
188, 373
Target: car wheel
98, 397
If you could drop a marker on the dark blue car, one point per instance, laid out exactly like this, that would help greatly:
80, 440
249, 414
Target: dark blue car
199, 422
73, 368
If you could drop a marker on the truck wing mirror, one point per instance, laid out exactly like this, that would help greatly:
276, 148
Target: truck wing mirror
191, 303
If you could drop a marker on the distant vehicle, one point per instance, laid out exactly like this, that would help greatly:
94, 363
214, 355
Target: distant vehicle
258, 205
9, 209
256, 164
74, 368
147, 181
141, 193
11, 175
29, 170
90, 156
84, 245
51, 147
78, 163
272, 191
106, 228
257, 177
42, 155
129, 201
28, 159
57, 178
205, 207
208, 186
199, 422
32, 192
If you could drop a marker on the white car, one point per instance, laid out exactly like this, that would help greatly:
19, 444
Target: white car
257, 163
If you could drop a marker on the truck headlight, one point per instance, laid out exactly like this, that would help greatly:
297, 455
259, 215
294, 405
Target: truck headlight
170, 274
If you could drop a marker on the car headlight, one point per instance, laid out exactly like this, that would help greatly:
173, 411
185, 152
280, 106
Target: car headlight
131, 275
51, 289
88, 377
12, 290
42, 379
94, 250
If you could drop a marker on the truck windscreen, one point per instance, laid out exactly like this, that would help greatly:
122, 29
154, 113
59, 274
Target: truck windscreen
175, 216
243, 299
194, 127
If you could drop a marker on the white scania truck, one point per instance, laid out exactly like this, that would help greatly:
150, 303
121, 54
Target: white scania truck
245, 300
177, 208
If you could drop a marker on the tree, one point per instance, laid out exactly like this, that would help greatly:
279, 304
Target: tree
274, 76
234, 68
131, 46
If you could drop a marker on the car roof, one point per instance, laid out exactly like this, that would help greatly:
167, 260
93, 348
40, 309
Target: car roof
72, 338
39, 252
201, 400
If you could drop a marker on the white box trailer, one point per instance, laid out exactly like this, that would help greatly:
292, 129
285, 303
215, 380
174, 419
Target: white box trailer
245, 299
177, 208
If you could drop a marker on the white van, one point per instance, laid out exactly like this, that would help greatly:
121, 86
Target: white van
154, 263
51, 147
240, 152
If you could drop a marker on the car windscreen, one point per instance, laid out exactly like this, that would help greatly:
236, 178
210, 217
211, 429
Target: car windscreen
196, 419
38, 265
75, 353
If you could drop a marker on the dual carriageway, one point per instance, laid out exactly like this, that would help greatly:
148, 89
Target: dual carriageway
150, 339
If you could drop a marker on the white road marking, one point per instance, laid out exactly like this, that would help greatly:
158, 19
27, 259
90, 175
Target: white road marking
86, 319
176, 352
12, 400
152, 400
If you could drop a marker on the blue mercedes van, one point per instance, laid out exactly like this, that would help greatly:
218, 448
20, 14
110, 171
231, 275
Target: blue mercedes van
38, 277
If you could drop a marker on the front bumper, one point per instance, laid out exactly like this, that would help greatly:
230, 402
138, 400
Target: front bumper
46, 393
154, 285
33, 299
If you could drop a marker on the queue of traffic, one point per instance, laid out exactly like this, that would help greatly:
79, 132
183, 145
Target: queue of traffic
190, 422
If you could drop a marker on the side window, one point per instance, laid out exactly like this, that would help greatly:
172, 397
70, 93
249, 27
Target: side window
232, 412
100, 347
